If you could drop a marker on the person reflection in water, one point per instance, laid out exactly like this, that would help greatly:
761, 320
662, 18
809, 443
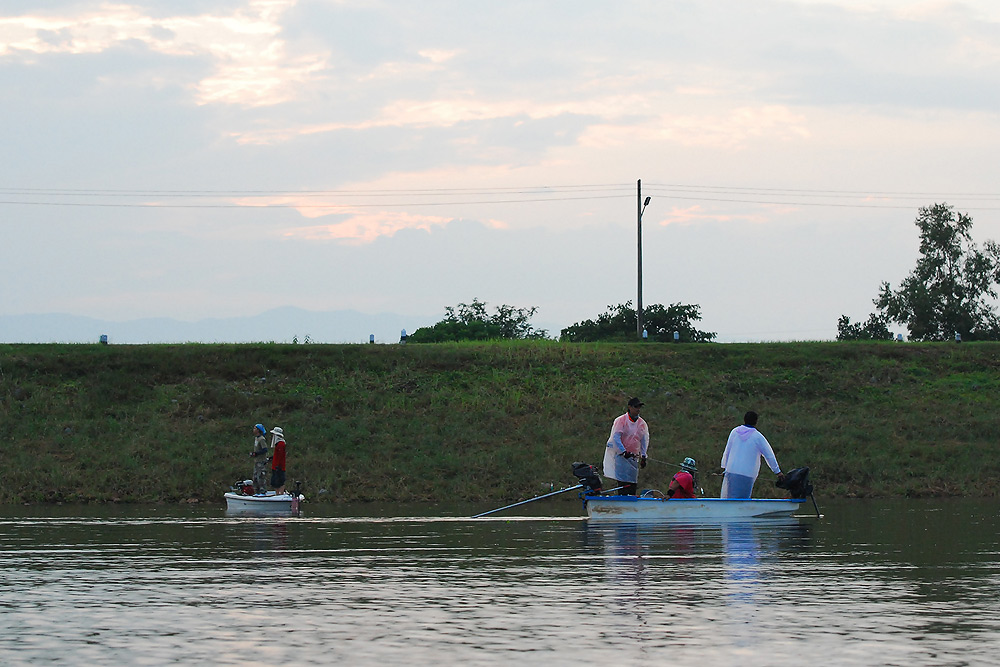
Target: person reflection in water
682, 484
741, 460
626, 449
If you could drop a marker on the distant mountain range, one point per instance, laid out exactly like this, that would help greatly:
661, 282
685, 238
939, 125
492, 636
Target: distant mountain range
281, 325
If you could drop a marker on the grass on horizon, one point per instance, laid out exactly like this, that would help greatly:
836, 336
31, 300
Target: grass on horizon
494, 421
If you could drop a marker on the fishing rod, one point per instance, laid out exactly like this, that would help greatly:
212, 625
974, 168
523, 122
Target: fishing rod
680, 465
670, 463
547, 495
530, 500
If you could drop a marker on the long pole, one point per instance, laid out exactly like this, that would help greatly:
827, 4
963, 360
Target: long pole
529, 500
638, 303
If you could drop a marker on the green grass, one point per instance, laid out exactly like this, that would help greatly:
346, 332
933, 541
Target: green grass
487, 421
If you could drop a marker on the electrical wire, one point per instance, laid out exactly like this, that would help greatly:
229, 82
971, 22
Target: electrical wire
417, 197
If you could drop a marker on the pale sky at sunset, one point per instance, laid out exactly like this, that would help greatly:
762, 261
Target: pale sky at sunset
220, 158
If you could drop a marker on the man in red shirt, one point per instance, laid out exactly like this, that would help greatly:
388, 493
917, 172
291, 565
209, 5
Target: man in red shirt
278, 460
682, 484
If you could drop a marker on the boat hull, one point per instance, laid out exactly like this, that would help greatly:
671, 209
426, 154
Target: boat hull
285, 503
632, 508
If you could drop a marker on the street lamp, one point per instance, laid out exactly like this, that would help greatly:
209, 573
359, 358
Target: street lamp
640, 207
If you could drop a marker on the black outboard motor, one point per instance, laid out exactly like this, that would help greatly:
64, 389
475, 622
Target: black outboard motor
797, 483
587, 474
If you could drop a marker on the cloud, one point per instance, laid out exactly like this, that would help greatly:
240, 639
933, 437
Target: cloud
729, 131
448, 112
259, 83
364, 226
252, 66
695, 214
433, 61
438, 56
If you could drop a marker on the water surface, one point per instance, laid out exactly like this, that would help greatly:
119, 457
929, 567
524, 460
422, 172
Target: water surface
888, 583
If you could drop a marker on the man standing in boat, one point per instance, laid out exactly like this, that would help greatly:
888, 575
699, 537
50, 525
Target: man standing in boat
259, 455
278, 460
626, 449
741, 460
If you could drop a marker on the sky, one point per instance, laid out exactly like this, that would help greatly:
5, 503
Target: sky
222, 158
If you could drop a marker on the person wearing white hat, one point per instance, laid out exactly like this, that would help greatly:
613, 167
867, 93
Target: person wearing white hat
278, 460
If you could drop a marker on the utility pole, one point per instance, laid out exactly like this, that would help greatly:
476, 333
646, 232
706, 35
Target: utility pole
640, 207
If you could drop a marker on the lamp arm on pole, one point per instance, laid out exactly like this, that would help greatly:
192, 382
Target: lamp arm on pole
640, 208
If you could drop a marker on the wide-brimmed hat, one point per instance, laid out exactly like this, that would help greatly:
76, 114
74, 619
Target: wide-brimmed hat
278, 432
689, 465
635, 403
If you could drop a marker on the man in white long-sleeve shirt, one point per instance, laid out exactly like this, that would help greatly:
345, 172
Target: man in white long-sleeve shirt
741, 460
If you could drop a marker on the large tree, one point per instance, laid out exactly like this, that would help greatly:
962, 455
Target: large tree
952, 289
472, 321
619, 324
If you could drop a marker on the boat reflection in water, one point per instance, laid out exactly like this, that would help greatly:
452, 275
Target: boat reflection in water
721, 570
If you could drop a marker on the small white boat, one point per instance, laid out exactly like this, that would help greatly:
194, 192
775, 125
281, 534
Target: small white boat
634, 508
242, 500
270, 501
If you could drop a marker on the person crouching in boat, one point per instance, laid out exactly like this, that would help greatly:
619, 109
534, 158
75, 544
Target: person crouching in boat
682, 484
259, 455
278, 460
741, 460
626, 449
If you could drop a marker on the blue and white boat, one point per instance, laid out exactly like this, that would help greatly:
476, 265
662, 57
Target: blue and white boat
637, 508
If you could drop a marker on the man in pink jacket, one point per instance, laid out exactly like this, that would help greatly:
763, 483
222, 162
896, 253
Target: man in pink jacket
626, 449
741, 460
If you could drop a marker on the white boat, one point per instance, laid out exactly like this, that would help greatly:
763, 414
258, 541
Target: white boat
267, 503
634, 508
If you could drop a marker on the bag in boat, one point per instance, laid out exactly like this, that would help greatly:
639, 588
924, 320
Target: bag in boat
797, 483
587, 474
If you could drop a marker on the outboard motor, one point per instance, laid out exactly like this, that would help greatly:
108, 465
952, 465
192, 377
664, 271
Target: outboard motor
587, 474
244, 487
797, 483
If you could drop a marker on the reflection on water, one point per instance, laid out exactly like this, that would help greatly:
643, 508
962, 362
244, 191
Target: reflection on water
870, 583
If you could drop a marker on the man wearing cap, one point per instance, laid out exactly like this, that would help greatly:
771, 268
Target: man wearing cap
278, 460
741, 460
259, 455
626, 449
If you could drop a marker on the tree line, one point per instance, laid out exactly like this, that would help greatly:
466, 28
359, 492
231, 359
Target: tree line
474, 321
950, 294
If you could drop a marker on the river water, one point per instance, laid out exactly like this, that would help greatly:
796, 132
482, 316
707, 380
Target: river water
869, 583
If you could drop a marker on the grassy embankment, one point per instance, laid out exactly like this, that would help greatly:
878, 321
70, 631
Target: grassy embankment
497, 421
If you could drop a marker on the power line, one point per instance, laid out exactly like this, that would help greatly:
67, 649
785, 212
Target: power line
299, 206
280, 193
418, 197
818, 192
556, 189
